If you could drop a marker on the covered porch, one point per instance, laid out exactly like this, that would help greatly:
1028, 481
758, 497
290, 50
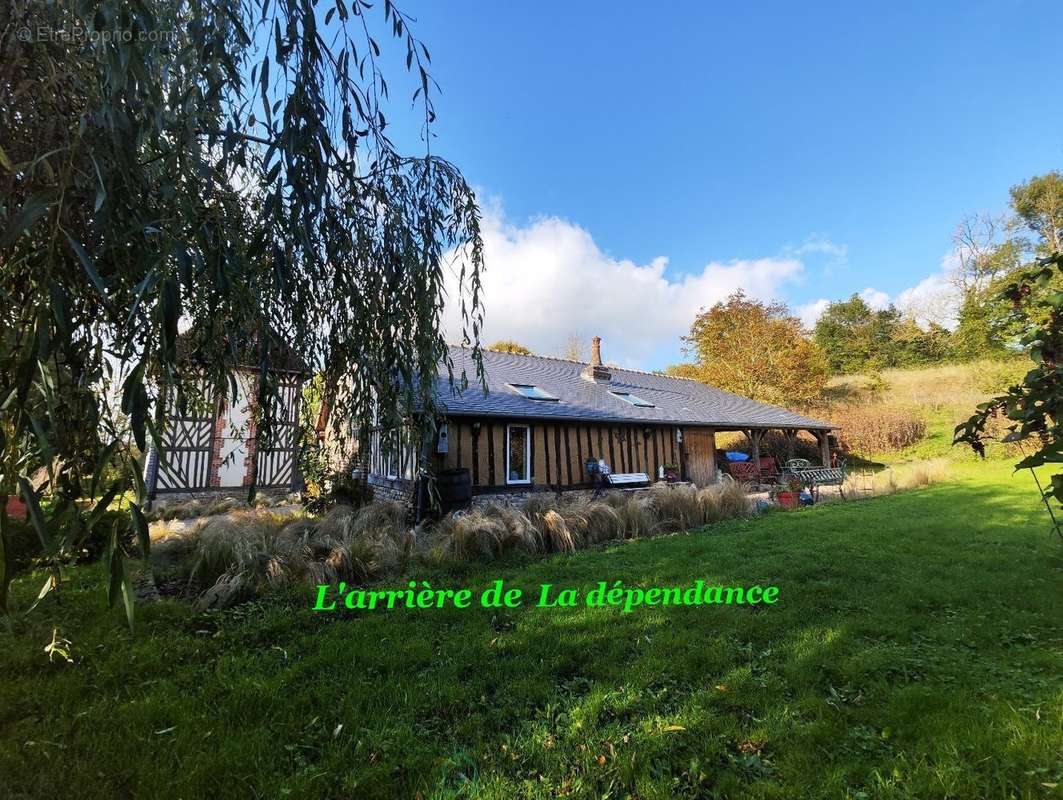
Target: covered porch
703, 460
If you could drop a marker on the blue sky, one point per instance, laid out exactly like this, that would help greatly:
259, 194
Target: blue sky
845, 137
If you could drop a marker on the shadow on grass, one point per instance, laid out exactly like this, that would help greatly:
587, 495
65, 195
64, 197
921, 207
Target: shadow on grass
913, 653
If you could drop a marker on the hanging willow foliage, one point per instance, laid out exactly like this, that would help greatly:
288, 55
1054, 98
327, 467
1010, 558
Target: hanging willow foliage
222, 167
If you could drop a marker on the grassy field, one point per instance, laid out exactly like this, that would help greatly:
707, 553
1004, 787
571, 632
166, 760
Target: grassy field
916, 651
942, 396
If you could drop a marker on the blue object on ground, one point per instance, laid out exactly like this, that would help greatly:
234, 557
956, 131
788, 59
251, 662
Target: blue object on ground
734, 455
806, 498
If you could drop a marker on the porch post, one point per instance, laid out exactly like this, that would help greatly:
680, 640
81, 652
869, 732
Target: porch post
791, 440
712, 455
824, 447
754, 437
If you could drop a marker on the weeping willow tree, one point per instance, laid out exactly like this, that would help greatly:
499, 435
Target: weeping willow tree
220, 166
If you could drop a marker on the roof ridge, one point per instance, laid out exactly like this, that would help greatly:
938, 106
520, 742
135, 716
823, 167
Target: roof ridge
574, 361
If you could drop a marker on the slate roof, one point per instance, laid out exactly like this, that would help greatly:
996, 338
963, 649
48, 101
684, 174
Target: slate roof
676, 400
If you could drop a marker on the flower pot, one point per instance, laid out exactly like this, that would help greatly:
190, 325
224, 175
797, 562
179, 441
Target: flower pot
788, 499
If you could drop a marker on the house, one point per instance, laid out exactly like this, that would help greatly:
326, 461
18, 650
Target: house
543, 418
211, 445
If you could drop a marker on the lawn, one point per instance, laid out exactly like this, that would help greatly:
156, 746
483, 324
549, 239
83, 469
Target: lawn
916, 651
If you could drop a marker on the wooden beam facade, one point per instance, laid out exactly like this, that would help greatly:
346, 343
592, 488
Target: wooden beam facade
558, 450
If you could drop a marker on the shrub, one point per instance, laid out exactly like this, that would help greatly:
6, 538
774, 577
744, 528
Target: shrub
873, 429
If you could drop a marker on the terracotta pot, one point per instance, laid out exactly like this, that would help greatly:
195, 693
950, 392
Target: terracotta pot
789, 499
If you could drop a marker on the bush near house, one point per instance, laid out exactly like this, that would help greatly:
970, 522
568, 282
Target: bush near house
875, 429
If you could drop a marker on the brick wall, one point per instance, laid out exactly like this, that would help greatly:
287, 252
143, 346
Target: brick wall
516, 499
214, 475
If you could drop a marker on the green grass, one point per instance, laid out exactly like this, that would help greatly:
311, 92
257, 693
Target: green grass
916, 651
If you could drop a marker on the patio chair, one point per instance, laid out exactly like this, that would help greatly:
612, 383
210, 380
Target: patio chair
744, 471
768, 468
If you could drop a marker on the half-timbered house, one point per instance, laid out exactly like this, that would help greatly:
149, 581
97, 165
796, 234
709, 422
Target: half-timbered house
541, 419
211, 445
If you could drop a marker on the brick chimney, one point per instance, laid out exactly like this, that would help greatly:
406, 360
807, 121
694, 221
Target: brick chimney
594, 371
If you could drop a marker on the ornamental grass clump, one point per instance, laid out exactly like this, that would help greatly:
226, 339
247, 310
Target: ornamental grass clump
600, 522
239, 555
677, 507
636, 514
485, 533
724, 501
555, 534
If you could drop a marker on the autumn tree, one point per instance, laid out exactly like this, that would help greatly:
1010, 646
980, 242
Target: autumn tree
754, 349
509, 346
573, 348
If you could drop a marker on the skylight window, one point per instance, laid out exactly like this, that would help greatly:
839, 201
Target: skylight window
635, 400
531, 392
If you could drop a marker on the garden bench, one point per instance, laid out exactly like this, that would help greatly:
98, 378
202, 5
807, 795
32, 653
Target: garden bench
628, 479
815, 477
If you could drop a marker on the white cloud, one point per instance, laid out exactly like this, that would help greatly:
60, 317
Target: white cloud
809, 313
876, 300
549, 280
821, 245
933, 299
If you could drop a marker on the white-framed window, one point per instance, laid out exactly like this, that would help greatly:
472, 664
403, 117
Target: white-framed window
532, 392
518, 454
634, 399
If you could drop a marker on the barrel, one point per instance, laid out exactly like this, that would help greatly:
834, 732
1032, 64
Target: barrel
455, 489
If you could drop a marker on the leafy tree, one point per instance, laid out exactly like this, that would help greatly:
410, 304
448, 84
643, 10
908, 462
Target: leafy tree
1038, 207
221, 166
983, 327
755, 349
987, 325
509, 346
853, 337
912, 346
